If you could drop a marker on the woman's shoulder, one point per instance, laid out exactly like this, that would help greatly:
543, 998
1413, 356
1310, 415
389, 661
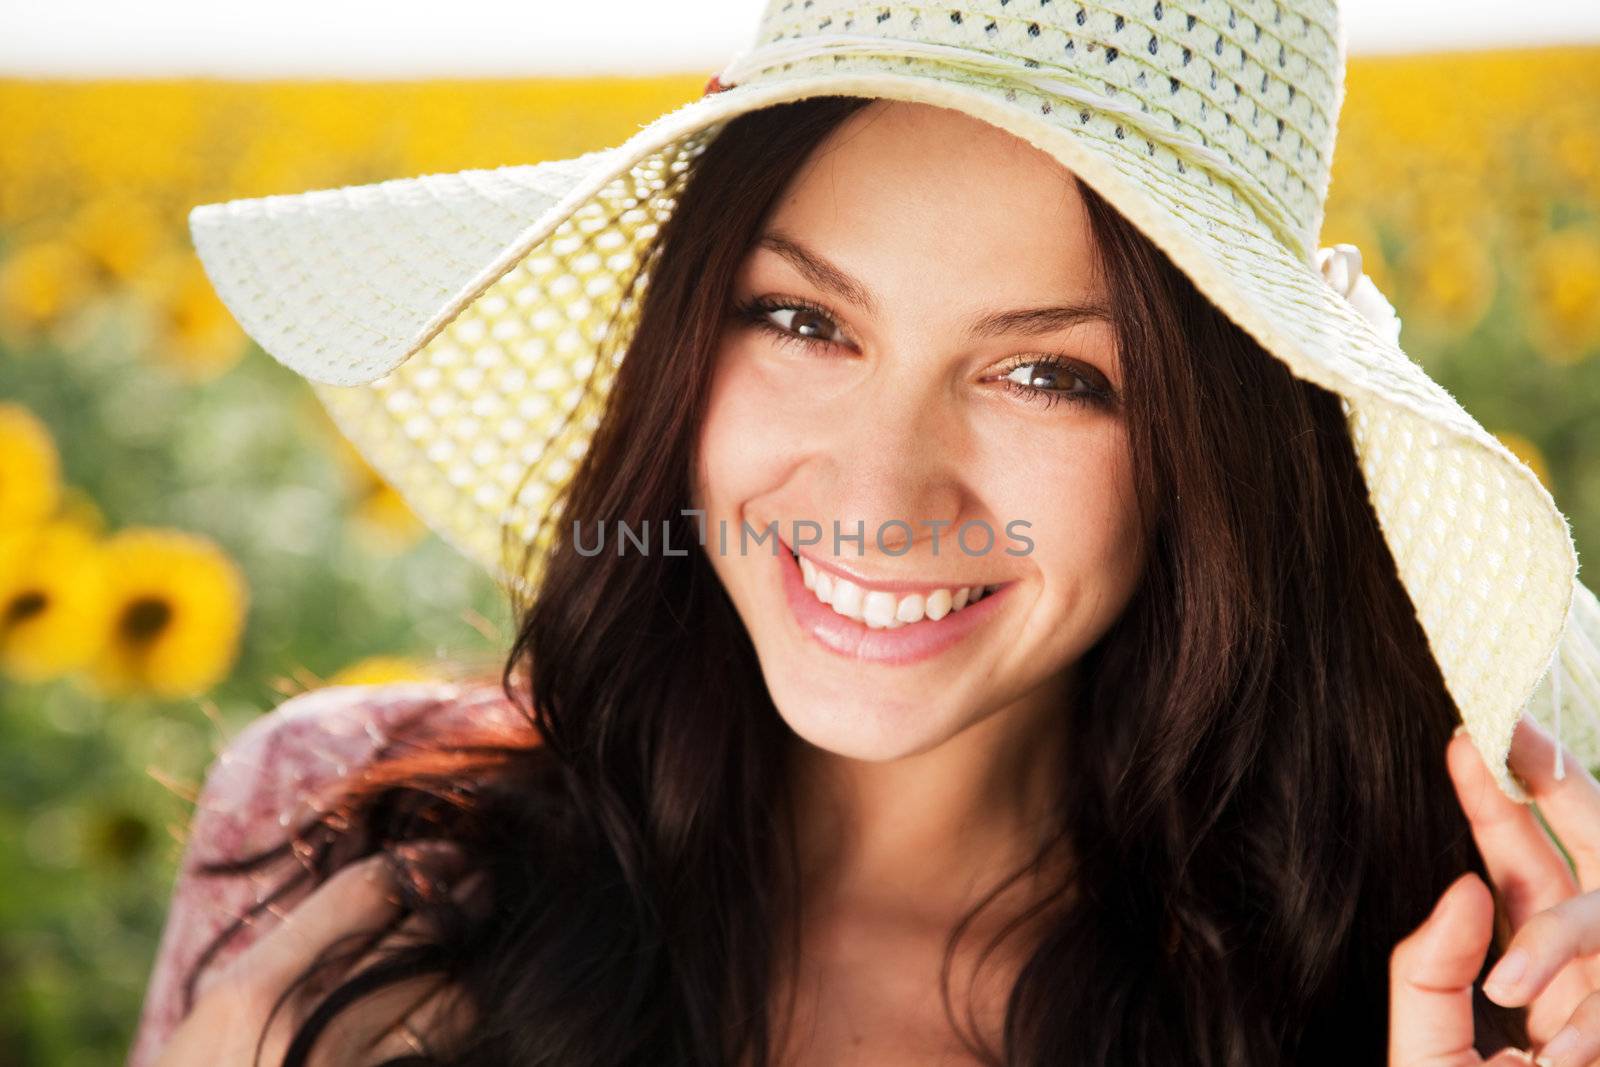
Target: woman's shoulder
274, 774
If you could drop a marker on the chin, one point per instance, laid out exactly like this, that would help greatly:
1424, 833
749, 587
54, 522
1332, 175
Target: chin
871, 729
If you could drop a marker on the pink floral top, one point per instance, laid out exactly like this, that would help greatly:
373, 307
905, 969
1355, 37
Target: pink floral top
266, 780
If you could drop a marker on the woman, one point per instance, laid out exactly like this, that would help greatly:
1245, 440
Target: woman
1171, 781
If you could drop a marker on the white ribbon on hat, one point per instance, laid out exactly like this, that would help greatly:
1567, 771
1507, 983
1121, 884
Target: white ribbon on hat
1572, 680
1341, 268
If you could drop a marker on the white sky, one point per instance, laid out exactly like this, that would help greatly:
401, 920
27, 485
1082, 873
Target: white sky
414, 38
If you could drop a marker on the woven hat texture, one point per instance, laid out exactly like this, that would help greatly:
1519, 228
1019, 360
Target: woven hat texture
463, 329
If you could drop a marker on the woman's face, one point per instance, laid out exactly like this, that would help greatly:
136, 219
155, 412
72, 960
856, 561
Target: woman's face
924, 350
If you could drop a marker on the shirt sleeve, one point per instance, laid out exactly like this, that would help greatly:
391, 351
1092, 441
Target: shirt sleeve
275, 774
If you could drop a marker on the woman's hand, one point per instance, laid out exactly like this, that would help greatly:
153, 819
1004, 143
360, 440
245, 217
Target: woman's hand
233, 1008
1549, 964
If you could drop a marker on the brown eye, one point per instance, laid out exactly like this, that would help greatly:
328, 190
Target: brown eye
1052, 379
789, 320
805, 322
1048, 377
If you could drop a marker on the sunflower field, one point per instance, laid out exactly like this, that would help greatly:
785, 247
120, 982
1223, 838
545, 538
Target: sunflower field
185, 540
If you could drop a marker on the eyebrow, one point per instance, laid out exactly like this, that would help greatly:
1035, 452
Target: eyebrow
824, 275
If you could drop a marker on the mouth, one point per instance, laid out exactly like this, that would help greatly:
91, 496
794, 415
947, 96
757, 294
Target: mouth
898, 623
881, 607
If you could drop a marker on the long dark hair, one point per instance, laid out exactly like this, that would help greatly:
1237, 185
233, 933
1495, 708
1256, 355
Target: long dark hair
1255, 801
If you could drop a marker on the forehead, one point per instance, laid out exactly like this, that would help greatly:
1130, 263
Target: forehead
945, 190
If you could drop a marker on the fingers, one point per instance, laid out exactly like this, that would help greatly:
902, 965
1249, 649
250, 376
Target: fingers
1578, 1042
264, 885
441, 1021
1525, 866
360, 897
256, 1004
1527, 870
1431, 976
398, 1013
1545, 944
418, 929
357, 1028
1571, 804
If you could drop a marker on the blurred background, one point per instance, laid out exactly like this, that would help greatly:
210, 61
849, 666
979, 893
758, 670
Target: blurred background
184, 539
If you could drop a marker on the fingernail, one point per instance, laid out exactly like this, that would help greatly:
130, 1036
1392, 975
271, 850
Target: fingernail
1459, 730
429, 848
463, 890
1559, 1046
467, 895
1502, 981
440, 858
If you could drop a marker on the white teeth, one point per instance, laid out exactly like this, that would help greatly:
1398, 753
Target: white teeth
877, 608
882, 610
847, 598
910, 609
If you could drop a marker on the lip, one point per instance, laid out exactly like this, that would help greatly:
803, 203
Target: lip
839, 570
908, 644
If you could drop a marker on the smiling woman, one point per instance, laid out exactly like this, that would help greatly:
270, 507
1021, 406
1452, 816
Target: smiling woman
868, 378
1162, 781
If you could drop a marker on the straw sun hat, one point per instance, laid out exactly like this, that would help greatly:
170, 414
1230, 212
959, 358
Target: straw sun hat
455, 325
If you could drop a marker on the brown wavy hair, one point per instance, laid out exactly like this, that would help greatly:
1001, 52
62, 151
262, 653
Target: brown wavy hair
1255, 803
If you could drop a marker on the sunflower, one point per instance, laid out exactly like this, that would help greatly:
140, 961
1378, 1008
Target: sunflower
30, 469
1452, 280
52, 602
192, 331
176, 608
80, 508
1564, 285
118, 233
40, 284
377, 670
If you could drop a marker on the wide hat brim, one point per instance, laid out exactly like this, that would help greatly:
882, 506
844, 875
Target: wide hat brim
457, 328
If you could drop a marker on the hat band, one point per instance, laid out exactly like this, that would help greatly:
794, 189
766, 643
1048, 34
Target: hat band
1575, 668
1049, 83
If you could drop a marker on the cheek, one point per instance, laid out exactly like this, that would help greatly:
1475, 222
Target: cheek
1076, 488
745, 435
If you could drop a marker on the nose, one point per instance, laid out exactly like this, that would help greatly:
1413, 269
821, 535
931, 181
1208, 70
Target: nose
892, 457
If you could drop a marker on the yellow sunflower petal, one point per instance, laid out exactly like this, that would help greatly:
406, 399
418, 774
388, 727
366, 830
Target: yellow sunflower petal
119, 234
1454, 279
52, 600
80, 508
1564, 309
194, 334
378, 670
177, 604
30, 468
40, 283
